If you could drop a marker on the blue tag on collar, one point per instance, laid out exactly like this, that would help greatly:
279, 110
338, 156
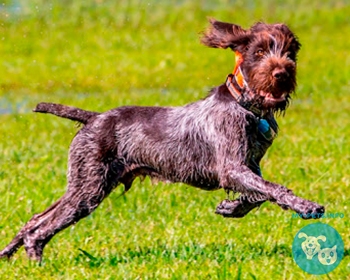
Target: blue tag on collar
263, 126
266, 130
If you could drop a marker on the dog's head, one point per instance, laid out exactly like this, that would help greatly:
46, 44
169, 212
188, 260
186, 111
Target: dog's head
268, 58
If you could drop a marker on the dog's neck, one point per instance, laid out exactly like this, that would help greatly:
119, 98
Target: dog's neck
239, 89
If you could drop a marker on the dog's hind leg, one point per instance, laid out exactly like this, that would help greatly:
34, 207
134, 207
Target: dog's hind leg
13, 246
90, 180
36, 222
68, 210
77, 203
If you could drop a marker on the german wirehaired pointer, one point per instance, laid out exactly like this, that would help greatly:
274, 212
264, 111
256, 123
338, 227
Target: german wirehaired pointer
214, 143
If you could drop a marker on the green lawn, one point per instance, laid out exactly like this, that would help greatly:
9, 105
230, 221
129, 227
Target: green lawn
99, 55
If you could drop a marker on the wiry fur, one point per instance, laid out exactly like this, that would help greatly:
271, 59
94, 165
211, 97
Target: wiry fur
209, 144
278, 46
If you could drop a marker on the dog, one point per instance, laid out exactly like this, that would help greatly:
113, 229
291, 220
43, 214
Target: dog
214, 143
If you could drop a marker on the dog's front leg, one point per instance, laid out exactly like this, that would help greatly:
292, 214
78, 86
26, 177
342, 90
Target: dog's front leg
246, 181
239, 207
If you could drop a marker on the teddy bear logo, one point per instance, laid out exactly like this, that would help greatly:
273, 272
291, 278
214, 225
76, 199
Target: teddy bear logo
311, 247
318, 248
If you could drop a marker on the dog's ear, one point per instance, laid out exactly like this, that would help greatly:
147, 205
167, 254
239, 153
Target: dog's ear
225, 35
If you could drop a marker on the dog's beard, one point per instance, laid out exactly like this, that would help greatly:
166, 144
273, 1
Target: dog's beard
266, 102
267, 92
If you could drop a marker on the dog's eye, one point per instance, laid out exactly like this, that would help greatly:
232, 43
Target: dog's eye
291, 55
259, 52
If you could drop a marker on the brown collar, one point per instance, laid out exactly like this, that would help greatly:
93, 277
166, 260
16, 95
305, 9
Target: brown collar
236, 85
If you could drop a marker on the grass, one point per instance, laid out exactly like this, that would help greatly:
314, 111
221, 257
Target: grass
103, 54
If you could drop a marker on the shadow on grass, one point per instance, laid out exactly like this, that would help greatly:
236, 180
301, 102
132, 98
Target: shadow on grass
187, 252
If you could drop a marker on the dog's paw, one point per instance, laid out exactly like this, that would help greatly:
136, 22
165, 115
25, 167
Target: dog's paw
312, 211
227, 208
234, 208
5, 254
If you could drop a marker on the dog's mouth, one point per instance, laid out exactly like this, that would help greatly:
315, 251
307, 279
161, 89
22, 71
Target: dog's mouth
258, 98
269, 100
275, 98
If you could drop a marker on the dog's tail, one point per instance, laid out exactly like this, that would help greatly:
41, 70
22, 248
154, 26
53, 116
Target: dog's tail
64, 111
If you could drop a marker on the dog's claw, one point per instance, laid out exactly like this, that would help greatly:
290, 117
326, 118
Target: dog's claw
316, 212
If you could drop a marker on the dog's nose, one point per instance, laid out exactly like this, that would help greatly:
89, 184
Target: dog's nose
280, 74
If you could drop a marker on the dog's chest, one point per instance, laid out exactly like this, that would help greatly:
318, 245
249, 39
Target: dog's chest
265, 131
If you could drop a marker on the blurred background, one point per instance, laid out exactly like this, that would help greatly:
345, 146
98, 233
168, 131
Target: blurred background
78, 48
